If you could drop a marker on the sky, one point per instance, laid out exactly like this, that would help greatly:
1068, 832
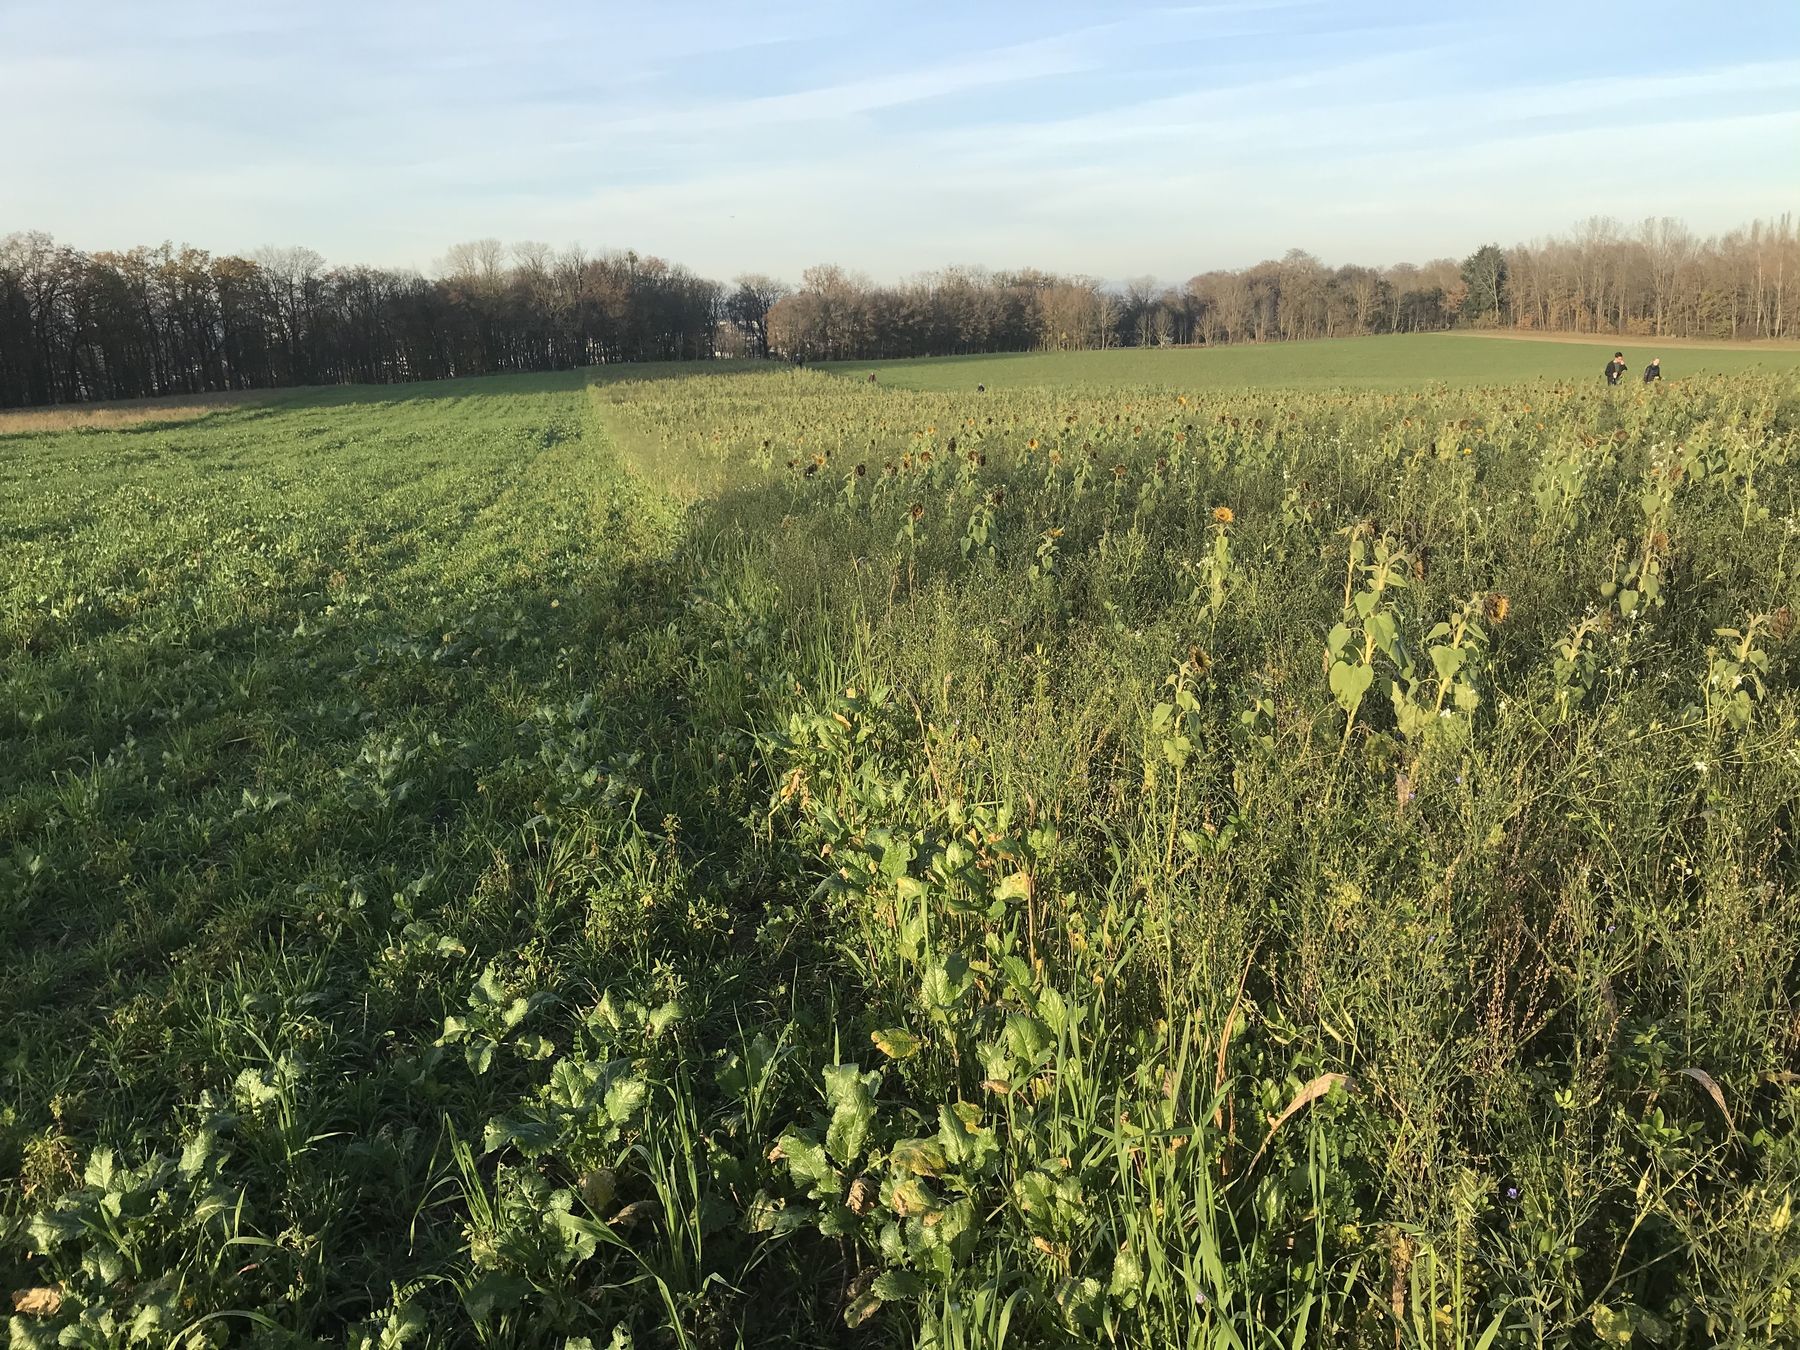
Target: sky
1112, 140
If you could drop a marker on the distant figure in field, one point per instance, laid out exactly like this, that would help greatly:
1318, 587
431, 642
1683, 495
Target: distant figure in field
1615, 368
871, 377
981, 389
1653, 371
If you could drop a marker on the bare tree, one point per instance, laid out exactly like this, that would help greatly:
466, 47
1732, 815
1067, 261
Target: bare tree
145, 321
748, 306
1667, 247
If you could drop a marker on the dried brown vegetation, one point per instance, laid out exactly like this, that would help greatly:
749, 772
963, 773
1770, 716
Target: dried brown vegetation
121, 413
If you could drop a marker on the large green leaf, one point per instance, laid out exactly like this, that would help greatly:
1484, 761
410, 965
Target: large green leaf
849, 1096
946, 980
965, 1141
1349, 683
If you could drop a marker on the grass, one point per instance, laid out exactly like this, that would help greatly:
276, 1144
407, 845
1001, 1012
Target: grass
714, 858
1404, 362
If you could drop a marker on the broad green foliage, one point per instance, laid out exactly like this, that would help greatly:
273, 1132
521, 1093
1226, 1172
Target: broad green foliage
746, 857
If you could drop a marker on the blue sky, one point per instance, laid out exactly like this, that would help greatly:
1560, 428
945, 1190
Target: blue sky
1110, 139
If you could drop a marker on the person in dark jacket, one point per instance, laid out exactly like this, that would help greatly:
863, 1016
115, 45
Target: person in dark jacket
1653, 371
1615, 368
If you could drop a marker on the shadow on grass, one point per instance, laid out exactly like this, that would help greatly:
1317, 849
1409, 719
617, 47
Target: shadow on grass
257, 843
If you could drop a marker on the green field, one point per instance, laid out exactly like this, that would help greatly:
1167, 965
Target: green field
1403, 362
704, 858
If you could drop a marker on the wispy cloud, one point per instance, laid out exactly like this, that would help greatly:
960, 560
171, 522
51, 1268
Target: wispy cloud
1141, 137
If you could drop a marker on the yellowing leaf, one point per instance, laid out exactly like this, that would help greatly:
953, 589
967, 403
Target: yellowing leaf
861, 1308
921, 1157
896, 1042
1016, 886
910, 1198
1613, 1328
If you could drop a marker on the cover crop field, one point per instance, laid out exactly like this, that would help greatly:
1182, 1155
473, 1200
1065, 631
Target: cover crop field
1405, 361
747, 857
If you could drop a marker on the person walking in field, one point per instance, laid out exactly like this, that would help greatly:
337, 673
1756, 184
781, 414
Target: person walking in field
1615, 368
1653, 371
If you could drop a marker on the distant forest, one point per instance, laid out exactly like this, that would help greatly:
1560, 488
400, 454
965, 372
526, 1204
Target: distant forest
78, 326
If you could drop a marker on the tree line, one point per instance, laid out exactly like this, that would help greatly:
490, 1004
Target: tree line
78, 326
1659, 280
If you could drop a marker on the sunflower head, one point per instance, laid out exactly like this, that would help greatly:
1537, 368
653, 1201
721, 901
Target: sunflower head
1223, 515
